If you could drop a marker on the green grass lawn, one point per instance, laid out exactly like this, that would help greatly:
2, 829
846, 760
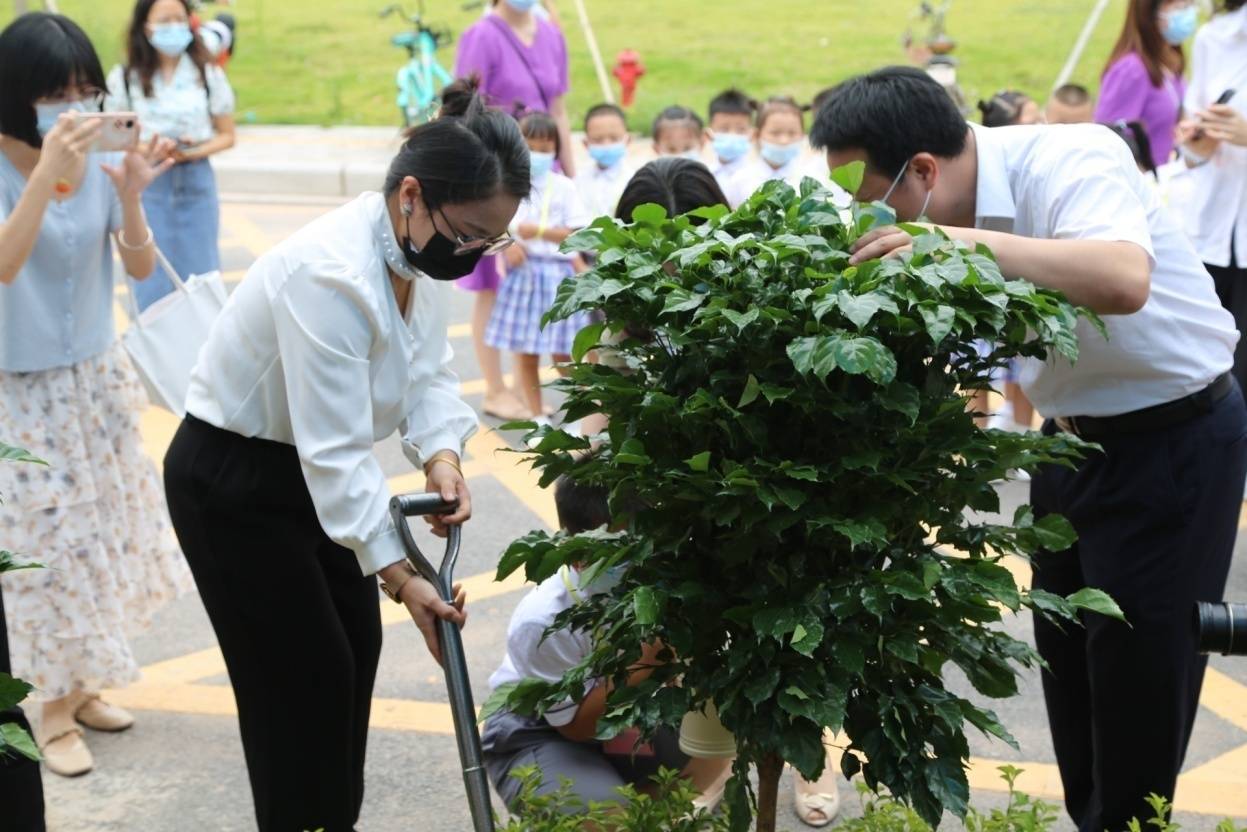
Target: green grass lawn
330, 61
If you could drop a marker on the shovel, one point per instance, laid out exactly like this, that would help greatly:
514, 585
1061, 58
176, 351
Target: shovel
453, 660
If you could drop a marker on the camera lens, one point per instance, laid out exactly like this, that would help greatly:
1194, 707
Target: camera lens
1222, 628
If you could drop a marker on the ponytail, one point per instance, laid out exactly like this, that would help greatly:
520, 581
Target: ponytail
469, 152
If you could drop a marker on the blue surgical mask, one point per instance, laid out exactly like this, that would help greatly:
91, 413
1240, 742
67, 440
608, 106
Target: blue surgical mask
46, 115
171, 39
778, 155
1178, 25
608, 155
540, 164
522, 5
897, 181
730, 146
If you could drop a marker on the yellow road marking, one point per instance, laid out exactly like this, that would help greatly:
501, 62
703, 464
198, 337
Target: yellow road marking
1217, 788
514, 474
1226, 698
244, 231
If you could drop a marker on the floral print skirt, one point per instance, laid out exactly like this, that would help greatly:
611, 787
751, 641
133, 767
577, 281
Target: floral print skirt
95, 518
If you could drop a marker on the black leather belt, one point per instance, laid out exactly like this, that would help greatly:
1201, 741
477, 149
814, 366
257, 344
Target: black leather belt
1156, 417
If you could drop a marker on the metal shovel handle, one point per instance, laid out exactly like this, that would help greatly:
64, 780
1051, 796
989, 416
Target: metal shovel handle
467, 736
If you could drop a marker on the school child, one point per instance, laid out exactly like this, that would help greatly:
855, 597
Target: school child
607, 140
730, 133
562, 743
678, 131
536, 267
780, 141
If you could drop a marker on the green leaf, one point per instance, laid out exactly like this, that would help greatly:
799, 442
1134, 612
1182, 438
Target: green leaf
939, 321
947, 780
865, 355
1055, 533
850, 176
14, 738
632, 452
646, 606
806, 637
699, 462
10, 563
741, 319
497, 701
649, 214
12, 691
586, 339
9, 453
750, 393
821, 355
1097, 600
861, 308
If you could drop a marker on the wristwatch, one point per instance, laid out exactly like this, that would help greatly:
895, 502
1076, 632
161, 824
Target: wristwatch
393, 594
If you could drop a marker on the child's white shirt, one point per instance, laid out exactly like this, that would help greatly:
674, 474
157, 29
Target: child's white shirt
725, 172
600, 188
555, 197
757, 171
531, 654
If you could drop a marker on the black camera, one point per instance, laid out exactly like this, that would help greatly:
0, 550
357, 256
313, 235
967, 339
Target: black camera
1222, 628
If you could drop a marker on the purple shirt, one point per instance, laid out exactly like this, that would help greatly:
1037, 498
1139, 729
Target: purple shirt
1127, 94
491, 49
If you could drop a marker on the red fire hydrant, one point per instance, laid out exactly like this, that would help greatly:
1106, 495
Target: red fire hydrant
628, 69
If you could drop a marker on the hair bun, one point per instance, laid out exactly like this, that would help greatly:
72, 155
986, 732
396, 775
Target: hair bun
462, 98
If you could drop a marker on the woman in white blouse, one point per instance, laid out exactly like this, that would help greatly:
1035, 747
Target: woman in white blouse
334, 340
170, 80
1215, 147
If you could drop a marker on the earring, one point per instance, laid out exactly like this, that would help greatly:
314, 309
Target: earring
406, 210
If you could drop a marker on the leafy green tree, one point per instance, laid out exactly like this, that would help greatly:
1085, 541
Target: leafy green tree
790, 453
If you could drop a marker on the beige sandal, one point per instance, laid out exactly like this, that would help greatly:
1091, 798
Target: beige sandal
99, 715
713, 795
818, 803
65, 753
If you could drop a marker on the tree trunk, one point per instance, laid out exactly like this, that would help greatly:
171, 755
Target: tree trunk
770, 767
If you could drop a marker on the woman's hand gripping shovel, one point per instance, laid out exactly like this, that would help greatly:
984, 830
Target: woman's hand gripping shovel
453, 660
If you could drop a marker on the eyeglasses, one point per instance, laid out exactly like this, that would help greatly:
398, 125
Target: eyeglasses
465, 244
90, 98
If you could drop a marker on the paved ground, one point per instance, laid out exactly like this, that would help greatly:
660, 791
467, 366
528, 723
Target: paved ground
181, 767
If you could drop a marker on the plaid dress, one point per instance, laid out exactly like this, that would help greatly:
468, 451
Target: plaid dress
528, 292
526, 295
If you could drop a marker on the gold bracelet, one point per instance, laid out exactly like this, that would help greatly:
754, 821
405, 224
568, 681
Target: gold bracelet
441, 457
121, 240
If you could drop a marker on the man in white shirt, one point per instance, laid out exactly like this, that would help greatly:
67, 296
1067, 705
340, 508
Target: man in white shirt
1214, 160
1157, 511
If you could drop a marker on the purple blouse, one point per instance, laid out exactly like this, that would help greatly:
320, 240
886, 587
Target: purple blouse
1127, 94
491, 49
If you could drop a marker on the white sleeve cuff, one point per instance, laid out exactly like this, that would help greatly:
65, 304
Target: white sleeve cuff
379, 552
445, 440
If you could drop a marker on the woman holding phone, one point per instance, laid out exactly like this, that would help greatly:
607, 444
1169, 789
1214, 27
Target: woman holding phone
335, 340
170, 80
95, 516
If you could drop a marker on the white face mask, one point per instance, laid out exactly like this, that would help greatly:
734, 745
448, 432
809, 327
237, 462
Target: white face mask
695, 155
46, 115
897, 181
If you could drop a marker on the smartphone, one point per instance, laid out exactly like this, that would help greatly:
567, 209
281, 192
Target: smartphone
1224, 98
118, 131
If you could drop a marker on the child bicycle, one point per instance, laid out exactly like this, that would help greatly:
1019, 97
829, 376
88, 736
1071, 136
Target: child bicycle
422, 77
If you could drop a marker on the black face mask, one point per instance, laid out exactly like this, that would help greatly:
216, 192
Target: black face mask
438, 259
